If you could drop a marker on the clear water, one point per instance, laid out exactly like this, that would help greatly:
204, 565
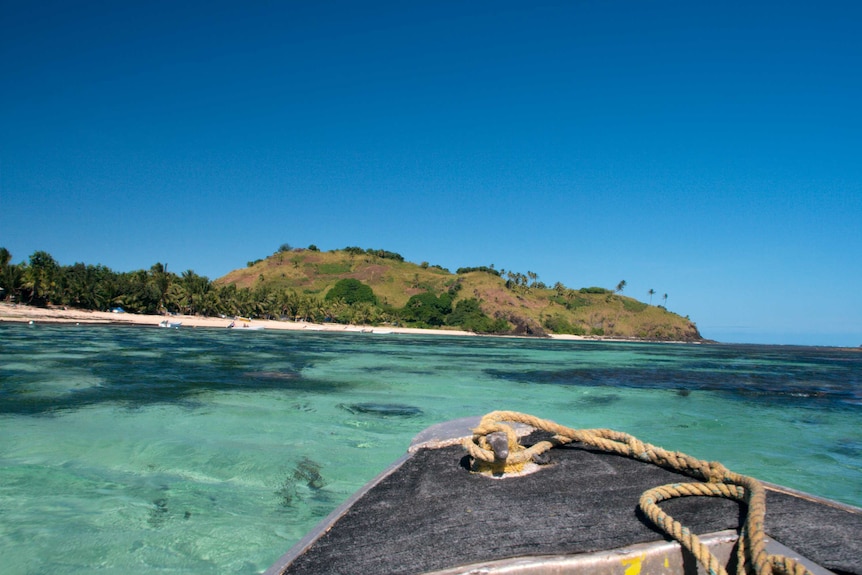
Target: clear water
213, 451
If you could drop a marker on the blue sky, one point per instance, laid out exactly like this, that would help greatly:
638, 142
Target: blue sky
712, 152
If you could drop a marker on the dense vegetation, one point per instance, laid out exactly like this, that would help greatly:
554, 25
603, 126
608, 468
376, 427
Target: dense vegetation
352, 285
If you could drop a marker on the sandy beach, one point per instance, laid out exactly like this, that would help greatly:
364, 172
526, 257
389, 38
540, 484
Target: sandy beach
27, 314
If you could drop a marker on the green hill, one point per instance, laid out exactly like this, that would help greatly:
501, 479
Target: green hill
481, 299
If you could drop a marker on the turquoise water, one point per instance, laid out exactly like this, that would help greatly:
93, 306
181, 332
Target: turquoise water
213, 451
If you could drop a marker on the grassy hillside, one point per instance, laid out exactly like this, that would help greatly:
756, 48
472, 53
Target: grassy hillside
315, 273
529, 308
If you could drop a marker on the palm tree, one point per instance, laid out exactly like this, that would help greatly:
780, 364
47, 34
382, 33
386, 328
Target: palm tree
621, 286
664, 297
162, 281
10, 275
306, 307
5, 258
195, 288
651, 293
41, 277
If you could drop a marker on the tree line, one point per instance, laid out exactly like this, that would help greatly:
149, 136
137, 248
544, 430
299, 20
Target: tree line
42, 281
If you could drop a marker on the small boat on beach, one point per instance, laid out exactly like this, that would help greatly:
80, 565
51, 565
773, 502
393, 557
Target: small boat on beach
513, 494
244, 327
170, 324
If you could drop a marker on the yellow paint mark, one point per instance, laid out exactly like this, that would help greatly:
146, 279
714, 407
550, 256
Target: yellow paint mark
666, 562
633, 564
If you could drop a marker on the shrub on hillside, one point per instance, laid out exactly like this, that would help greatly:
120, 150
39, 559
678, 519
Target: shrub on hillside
351, 291
485, 269
597, 290
559, 324
426, 308
468, 315
384, 254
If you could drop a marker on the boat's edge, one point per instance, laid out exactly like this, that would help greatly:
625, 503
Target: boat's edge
811, 497
450, 433
326, 523
653, 557
436, 436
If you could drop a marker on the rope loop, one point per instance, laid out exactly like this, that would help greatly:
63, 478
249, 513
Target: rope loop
495, 448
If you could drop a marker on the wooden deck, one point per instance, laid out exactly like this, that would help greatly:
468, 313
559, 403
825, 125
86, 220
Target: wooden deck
429, 513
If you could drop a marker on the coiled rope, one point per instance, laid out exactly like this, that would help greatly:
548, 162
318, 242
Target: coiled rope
488, 453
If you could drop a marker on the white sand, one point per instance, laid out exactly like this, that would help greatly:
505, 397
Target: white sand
26, 314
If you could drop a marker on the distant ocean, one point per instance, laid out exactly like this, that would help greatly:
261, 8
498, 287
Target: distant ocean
196, 451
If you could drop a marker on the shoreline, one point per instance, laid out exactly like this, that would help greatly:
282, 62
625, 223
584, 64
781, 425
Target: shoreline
23, 313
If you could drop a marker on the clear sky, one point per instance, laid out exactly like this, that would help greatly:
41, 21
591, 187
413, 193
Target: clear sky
709, 151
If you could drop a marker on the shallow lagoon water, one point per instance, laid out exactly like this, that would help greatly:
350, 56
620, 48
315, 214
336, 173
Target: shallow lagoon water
209, 451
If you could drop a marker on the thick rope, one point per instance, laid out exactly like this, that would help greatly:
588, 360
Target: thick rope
716, 481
